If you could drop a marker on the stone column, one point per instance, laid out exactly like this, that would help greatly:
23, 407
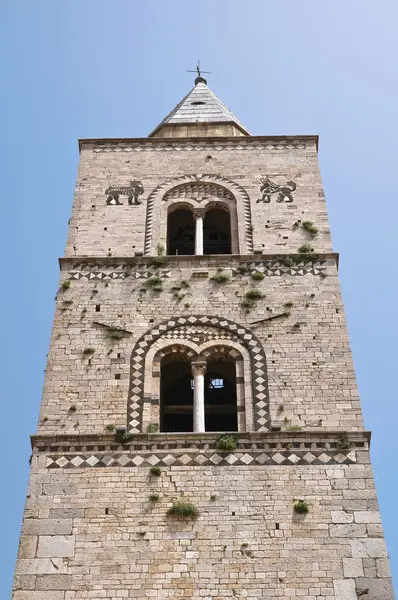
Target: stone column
198, 214
198, 372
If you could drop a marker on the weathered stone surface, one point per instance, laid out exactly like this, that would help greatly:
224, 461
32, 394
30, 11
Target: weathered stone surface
53, 582
350, 531
352, 567
47, 526
340, 516
56, 546
367, 516
371, 547
67, 513
344, 589
27, 546
46, 595
377, 589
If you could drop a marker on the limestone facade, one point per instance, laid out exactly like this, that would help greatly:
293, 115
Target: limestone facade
96, 523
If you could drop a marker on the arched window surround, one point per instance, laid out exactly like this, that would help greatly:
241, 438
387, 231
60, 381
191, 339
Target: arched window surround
218, 329
211, 203
155, 221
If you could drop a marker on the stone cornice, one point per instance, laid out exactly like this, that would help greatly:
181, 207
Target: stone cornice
223, 260
250, 141
206, 441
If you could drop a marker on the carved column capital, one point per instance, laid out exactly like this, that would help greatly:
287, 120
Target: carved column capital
199, 213
198, 368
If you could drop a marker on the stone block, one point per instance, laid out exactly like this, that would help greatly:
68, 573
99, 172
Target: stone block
54, 582
24, 582
377, 589
352, 567
56, 546
351, 530
367, 516
344, 589
47, 526
27, 546
47, 595
66, 513
368, 547
340, 516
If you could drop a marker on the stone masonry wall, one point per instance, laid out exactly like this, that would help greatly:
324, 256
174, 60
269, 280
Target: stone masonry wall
100, 230
95, 533
311, 384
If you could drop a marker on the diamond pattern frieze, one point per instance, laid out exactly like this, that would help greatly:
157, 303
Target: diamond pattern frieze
196, 458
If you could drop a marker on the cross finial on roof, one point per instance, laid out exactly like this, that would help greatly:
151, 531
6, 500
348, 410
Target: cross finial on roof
199, 78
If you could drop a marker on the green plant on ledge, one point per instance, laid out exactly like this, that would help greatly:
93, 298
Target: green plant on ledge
184, 283
343, 443
247, 304
155, 471
305, 249
155, 284
122, 437
220, 278
159, 260
115, 334
310, 227
254, 294
66, 285
226, 443
154, 497
294, 428
152, 428
257, 275
301, 507
242, 270
183, 510
110, 427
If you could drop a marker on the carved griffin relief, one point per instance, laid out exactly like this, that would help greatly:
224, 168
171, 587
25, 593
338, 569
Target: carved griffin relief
268, 188
133, 191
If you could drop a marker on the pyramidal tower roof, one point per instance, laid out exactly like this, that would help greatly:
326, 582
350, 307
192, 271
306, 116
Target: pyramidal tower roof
200, 107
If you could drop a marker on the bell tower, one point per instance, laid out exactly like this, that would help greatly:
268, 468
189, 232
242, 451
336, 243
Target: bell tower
200, 433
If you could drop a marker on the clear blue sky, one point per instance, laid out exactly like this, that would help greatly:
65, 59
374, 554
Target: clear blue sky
114, 68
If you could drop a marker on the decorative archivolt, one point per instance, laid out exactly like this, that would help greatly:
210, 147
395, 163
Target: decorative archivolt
197, 334
198, 192
199, 187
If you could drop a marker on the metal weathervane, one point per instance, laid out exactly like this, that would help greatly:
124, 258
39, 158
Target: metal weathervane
199, 72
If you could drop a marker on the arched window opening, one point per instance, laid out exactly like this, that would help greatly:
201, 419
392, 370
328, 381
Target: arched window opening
217, 232
220, 396
180, 232
176, 395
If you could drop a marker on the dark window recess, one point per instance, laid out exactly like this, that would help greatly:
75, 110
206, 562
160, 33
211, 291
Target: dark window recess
118, 355
276, 525
107, 511
97, 308
176, 395
217, 232
117, 376
105, 229
198, 102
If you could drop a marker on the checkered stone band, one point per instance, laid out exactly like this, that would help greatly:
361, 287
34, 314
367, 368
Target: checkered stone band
221, 328
192, 459
270, 268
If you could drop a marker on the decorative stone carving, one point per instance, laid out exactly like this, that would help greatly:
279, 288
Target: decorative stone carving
198, 191
198, 368
214, 324
132, 191
268, 188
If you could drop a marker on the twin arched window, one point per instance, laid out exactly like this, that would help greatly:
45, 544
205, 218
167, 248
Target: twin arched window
199, 231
